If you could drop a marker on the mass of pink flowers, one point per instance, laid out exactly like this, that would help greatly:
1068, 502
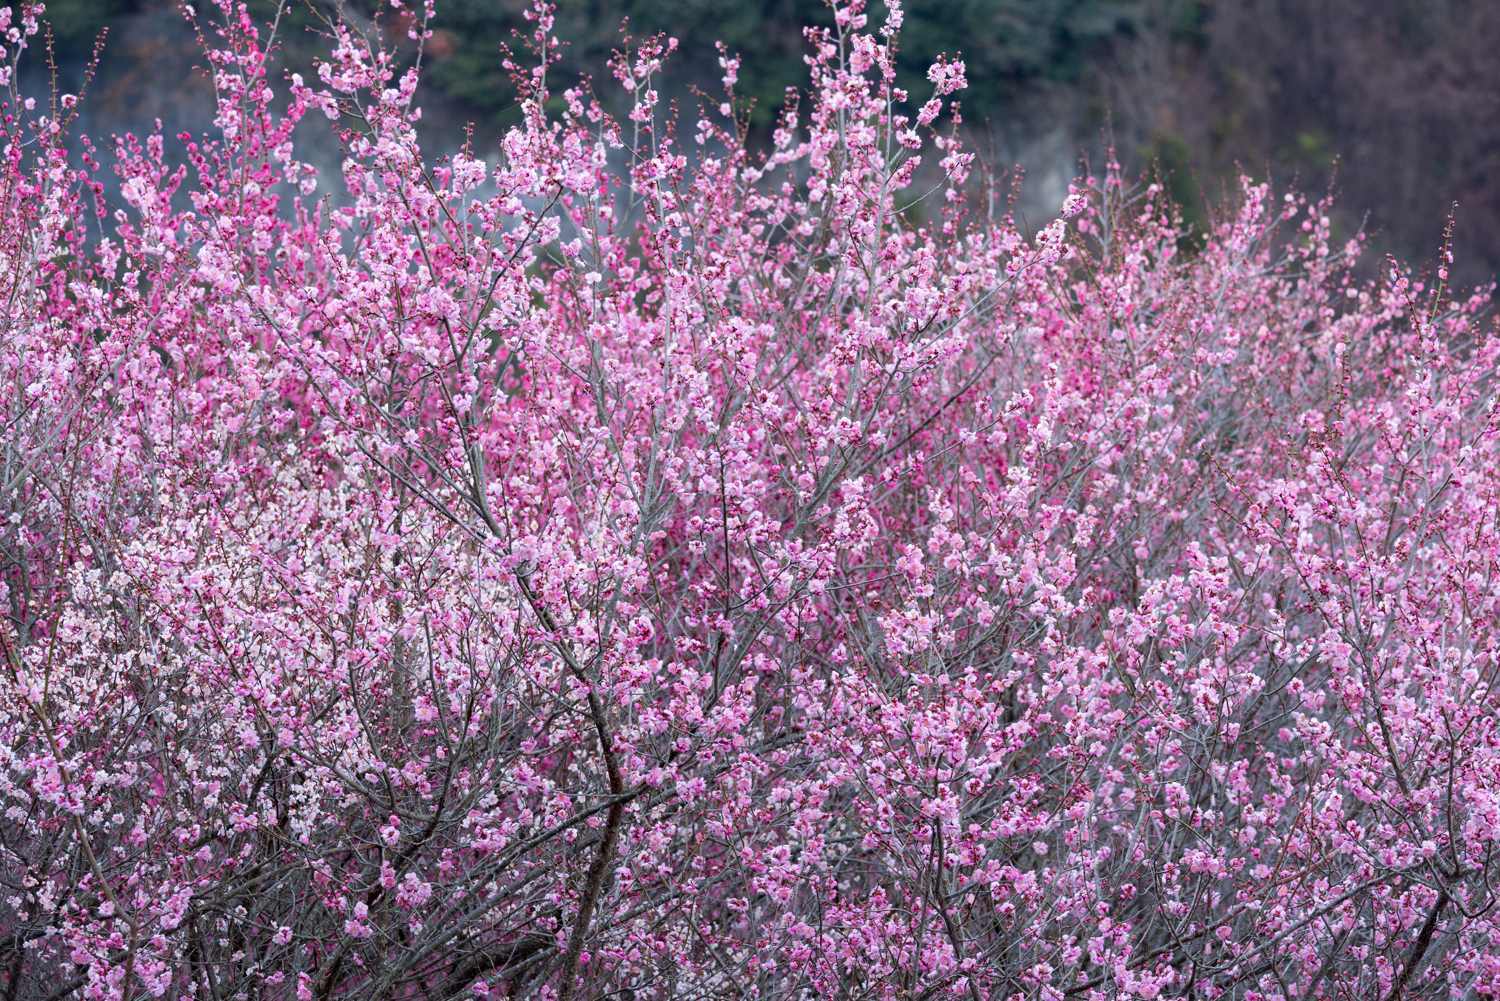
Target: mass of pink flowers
644, 561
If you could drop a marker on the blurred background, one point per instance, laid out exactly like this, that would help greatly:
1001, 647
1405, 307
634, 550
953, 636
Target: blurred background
1394, 105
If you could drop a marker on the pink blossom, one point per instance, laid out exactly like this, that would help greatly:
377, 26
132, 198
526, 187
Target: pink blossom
577, 567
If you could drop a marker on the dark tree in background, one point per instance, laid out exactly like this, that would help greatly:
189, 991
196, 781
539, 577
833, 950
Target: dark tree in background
1394, 102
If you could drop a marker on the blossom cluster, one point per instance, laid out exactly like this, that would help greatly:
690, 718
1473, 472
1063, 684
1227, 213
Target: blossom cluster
641, 561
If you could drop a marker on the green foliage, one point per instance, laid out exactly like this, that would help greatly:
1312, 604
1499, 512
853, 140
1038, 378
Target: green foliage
767, 34
76, 23
1171, 159
1006, 43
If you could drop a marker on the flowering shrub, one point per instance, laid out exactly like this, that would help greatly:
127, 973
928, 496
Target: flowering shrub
640, 566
